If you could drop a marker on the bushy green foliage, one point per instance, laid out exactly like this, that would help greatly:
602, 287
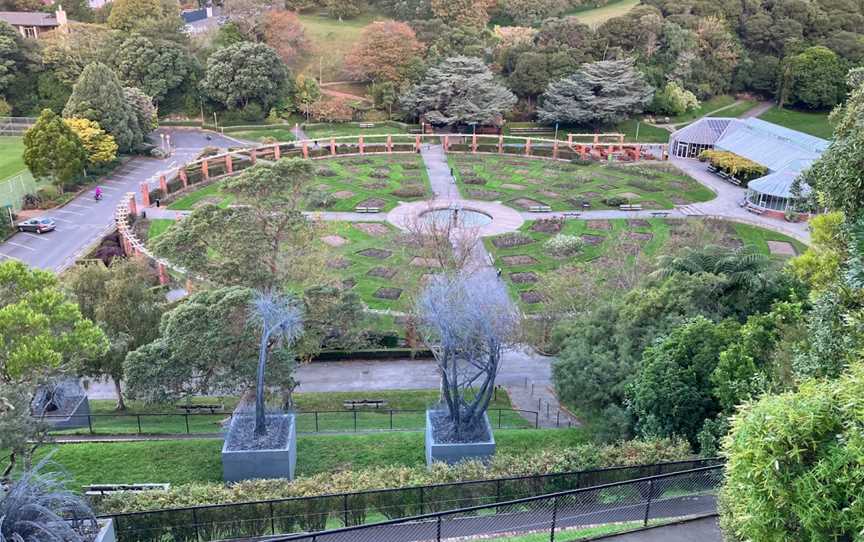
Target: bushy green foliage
674, 100
52, 149
585, 456
242, 73
816, 78
738, 166
794, 464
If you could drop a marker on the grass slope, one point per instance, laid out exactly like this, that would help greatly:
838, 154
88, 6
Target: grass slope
11, 159
594, 16
813, 123
184, 461
331, 41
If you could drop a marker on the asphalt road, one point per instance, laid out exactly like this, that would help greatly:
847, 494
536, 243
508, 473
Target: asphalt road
82, 221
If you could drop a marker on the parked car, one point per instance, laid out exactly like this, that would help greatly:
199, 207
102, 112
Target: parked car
37, 225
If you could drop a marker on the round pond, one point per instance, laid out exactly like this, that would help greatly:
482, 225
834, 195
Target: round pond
465, 218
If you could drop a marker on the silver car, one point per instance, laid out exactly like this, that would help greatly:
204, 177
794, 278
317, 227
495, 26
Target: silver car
37, 225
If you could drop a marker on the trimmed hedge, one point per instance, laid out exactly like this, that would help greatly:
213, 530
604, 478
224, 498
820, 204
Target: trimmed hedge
585, 456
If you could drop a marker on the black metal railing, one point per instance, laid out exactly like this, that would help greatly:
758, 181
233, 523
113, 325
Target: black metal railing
621, 505
317, 513
317, 421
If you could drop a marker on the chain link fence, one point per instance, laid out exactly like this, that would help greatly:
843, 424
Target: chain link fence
320, 513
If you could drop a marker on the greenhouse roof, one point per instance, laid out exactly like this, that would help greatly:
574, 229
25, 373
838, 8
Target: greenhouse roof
779, 184
775, 147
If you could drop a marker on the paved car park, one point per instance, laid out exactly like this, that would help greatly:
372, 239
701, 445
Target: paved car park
83, 221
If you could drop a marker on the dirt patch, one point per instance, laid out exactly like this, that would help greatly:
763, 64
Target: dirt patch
548, 225
678, 200
679, 185
425, 262
377, 185
377, 253
334, 240
484, 194
782, 248
629, 195
638, 223
639, 236
592, 240
388, 293
550, 194
599, 225
650, 204
339, 263
531, 297
630, 248
381, 272
526, 203
512, 239
474, 180
372, 228
591, 195
372, 202
511, 186
527, 277
349, 283
608, 186
343, 194
519, 259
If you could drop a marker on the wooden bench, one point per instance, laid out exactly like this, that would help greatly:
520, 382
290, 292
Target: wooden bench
368, 209
572, 214
630, 207
586, 205
712, 169
364, 403
534, 130
660, 213
214, 408
367, 125
109, 489
540, 209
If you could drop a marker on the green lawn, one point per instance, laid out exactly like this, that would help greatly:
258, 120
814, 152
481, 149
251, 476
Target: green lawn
603, 240
646, 134
332, 417
158, 226
739, 109
707, 107
594, 16
331, 40
280, 133
185, 461
11, 159
813, 123
317, 131
342, 184
523, 182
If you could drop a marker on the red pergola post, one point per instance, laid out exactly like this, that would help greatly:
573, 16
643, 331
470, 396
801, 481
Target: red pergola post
163, 274
132, 205
360, 143
332, 146
417, 143
163, 185
229, 164
184, 177
145, 194
446, 143
305, 149
528, 147
205, 170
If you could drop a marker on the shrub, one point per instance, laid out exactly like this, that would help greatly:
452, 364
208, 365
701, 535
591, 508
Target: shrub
269, 140
48, 196
614, 201
31, 201
794, 464
208, 151
737, 166
474, 180
582, 162
581, 457
562, 245
320, 199
409, 191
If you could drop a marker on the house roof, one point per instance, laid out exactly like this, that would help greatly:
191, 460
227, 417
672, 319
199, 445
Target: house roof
29, 18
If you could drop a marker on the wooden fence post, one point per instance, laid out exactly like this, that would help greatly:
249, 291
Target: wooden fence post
555, 149
132, 205
500, 143
277, 152
163, 274
389, 144
417, 142
305, 149
474, 144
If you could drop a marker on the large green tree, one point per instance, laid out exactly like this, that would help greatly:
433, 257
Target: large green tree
126, 302
41, 330
98, 95
205, 344
242, 73
155, 66
51, 149
10, 54
153, 18
604, 92
460, 90
814, 78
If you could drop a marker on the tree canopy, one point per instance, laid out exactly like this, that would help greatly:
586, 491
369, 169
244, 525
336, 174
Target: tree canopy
52, 149
384, 52
244, 72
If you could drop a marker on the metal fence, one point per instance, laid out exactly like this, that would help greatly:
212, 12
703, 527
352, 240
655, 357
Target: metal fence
15, 126
562, 516
14, 188
333, 421
317, 513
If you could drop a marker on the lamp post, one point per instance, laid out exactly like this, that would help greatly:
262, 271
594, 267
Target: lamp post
556, 131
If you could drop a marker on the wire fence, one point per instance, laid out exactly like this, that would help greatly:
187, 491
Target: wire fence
322, 512
564, 515
15, 126
14, 188
334, 421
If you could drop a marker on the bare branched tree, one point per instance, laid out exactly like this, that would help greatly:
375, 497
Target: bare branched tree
445, 241
281, 321
467, 320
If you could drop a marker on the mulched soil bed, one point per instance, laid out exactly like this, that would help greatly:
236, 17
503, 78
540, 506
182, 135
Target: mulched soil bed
474, 180
591, 195
382, 272
638, 223
782, 248
372, 202
512, 239
377, 253
526, 277
677, 200
519, 259
531, 297
339, 263
599, 225
375, 186
639, 236
347, 284
548, 225
484, 194
526, 203
371, 228
592, 240
388, 293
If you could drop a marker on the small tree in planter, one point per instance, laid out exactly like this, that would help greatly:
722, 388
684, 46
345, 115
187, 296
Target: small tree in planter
264, 445
467, 320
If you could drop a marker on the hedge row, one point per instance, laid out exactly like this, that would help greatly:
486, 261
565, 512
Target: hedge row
582, 457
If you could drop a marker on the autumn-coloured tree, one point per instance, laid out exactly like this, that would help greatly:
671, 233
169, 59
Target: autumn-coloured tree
284, 32
383, 52
473, 13
331, 109
100, 146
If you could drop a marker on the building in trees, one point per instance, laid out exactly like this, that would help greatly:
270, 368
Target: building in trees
784, 153
33, 24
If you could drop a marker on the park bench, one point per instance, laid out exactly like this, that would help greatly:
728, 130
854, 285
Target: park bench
367, 125
109, 489
212, 408
755, 210
630, 207
733, 180
540, 209
537, 130
712, 168
660, 213
572, 214
368, 209
352, 404
586, 204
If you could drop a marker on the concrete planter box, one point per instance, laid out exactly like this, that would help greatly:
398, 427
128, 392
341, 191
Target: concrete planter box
76, 419
452, 453
106, 531
251, 464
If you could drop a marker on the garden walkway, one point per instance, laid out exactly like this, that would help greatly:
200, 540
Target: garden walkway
704, 529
